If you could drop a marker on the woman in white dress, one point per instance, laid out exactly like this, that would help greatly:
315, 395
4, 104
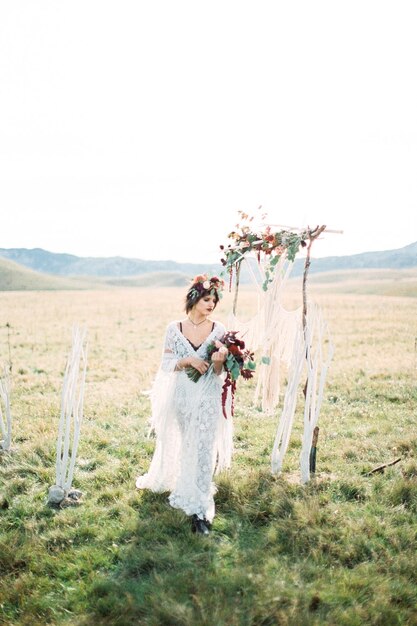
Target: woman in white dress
193, 437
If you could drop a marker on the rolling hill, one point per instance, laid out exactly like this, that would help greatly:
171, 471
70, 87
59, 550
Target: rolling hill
60, 264
389, 259
15, 277
393, 272
70, 265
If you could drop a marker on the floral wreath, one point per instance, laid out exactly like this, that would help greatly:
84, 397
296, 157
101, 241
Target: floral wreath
203, 282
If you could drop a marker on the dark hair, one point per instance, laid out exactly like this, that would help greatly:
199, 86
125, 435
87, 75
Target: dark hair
194, 294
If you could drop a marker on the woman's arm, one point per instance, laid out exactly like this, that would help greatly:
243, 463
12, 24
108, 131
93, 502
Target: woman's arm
191, 361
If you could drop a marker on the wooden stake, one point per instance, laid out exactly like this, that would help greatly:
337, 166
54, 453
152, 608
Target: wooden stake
313, 451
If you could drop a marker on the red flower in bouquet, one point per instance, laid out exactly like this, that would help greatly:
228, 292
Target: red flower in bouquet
239, 362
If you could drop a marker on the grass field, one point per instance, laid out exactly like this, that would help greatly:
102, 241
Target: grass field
339, 551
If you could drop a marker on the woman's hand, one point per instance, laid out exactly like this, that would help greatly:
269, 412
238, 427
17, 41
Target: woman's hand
199, 364
218, 358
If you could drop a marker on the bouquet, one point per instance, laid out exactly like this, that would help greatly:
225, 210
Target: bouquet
239, 362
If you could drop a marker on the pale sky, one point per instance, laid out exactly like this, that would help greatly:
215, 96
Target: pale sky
139, 128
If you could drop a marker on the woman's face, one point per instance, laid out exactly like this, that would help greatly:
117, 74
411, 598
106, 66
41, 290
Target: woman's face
205, 305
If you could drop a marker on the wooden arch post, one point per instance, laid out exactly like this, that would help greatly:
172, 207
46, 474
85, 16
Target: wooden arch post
312, 236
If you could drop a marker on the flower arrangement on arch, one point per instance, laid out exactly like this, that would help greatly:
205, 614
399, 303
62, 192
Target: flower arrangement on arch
239, 362
264, 241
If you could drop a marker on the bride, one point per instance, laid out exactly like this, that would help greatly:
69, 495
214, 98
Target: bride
193, 438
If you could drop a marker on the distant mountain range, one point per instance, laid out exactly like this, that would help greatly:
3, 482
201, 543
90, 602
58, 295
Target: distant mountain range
127, 270
60, 264
400, 258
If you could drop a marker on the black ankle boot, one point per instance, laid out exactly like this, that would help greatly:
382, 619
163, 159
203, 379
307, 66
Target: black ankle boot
199, 525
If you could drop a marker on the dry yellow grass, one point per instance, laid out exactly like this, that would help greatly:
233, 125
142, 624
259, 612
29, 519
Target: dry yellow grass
374, 334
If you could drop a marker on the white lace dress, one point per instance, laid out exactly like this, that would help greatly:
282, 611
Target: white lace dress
193, 438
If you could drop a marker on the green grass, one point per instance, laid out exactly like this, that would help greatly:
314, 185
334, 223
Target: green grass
340, 550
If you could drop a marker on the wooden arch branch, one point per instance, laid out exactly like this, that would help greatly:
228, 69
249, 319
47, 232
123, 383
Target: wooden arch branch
312, 236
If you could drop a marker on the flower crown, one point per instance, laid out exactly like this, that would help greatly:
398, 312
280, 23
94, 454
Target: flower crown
203, 282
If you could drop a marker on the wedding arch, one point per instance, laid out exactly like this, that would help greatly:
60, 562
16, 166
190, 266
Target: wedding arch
297, 341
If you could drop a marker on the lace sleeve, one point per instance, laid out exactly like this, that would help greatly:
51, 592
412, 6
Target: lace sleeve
165, 380
170, 354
